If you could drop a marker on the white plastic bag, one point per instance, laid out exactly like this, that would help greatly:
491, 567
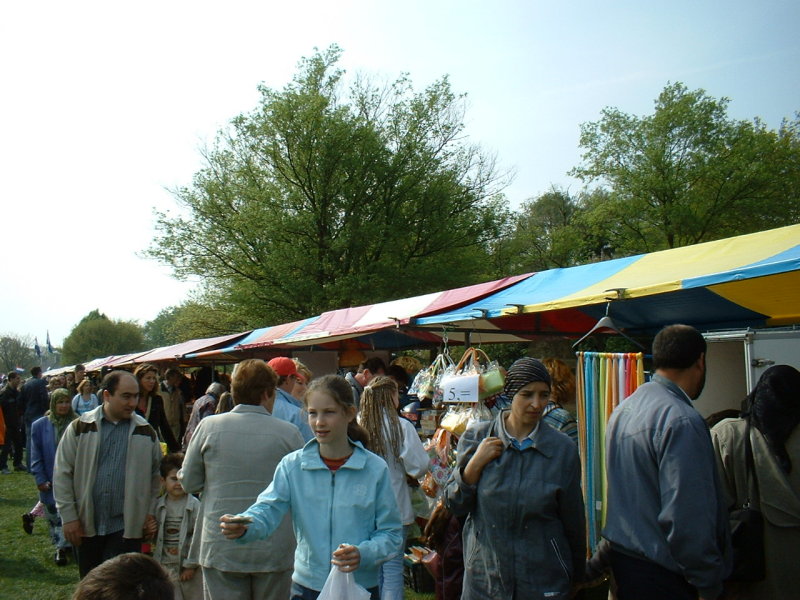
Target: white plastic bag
342, 586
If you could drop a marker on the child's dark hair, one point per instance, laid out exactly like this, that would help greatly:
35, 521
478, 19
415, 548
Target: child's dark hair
132, 576
171, 462
337, 388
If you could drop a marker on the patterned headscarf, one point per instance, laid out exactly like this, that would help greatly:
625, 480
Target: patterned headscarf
60, 423
522, 372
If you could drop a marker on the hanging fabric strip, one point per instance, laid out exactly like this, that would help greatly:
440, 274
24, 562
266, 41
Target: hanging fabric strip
603, 380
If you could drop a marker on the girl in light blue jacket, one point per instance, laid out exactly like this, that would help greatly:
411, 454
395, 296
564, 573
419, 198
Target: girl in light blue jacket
343, 508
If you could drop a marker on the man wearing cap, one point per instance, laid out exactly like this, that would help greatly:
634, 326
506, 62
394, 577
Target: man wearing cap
287, 407
667, 519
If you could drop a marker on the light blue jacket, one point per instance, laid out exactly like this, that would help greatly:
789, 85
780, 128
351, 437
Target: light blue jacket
354, 505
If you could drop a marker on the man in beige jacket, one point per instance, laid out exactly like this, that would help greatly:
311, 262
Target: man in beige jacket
106, 477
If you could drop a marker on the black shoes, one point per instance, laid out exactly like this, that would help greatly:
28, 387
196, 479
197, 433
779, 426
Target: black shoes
61, 557
27, 523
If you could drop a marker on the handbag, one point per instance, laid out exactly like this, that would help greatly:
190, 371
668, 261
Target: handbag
424, 386
747, 529
475, 378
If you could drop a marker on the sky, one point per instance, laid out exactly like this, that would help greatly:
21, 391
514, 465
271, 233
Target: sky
105, 106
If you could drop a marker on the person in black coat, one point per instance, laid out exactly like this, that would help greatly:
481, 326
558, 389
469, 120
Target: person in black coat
34, 402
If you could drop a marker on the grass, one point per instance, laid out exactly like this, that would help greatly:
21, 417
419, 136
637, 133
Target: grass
27, 570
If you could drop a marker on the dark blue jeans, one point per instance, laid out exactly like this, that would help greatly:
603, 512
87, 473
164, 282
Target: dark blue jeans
640, 579
98, 549
300, 592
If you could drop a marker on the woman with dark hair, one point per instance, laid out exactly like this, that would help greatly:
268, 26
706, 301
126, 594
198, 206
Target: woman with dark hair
518, 483
151, 405
773, 412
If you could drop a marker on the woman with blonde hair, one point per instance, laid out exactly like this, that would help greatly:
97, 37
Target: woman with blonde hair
151, 405
85, 400
396, 441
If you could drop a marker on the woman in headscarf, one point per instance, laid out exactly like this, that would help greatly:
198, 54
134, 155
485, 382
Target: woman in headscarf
518, 484
46, 432
773, 411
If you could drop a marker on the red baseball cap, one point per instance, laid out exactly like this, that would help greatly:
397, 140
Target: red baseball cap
283, 366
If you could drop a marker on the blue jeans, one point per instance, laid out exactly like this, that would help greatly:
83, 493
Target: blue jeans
300, 592
391, 575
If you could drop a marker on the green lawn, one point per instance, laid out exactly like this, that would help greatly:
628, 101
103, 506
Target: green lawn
27, 571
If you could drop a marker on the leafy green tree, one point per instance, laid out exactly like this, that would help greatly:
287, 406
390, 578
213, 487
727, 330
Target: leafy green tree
326, 196
552, 231
688, 173
195, 318
16, 351
97, 336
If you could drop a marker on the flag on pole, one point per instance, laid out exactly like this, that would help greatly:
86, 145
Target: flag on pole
36, 347
49, 347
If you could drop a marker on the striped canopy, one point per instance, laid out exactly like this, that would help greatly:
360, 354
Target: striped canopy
746, 281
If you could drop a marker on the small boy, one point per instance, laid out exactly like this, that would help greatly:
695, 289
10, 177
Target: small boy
176, 513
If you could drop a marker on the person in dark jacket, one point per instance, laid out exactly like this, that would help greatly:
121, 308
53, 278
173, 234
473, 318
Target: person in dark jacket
667, 520
34, 401
9, 400
517, 481
151, 405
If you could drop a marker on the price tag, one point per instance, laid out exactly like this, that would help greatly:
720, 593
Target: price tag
461, 388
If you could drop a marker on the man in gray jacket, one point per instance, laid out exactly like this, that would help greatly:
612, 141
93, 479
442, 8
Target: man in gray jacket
231, 459
106, 476
667, 521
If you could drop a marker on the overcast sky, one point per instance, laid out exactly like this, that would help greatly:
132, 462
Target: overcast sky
104, 105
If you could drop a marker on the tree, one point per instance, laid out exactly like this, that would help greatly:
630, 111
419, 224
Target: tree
16, 352
324, 197
97, 336
198, 317
688, 173
552, 231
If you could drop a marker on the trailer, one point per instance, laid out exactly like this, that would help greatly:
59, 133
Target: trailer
736, 359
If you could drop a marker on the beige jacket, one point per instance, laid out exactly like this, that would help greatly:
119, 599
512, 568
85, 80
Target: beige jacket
778, 500
230, 460
76, 467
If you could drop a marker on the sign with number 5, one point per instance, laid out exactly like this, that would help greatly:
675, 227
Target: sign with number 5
460, 388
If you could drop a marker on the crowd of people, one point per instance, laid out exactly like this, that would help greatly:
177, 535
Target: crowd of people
259, 484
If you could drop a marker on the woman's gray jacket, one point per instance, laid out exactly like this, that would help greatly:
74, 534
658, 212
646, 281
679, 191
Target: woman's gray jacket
524, 535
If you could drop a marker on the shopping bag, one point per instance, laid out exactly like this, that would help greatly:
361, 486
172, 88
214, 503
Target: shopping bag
479, 414
456, 419
342, 586
439, 450
475, 377
427, 379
